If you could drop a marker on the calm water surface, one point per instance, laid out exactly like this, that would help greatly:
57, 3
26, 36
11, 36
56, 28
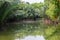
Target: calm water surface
25, 31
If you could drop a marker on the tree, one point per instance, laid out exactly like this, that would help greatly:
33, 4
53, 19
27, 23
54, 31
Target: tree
6, 9
53, 9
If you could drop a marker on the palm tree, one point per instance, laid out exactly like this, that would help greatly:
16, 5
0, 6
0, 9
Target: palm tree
6, 9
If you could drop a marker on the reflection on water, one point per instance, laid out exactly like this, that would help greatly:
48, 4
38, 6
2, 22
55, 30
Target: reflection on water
21, 32
37, 37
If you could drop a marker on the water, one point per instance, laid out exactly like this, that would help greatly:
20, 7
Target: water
30, 37
30, 31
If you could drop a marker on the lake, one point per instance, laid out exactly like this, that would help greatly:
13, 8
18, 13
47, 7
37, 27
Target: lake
29, 31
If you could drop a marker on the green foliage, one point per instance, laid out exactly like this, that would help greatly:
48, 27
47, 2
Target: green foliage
30, 10
26, 10
6, 9
53, 9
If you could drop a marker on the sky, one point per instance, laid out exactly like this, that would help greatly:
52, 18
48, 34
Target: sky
33, 1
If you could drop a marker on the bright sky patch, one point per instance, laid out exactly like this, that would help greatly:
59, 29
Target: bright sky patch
33, 1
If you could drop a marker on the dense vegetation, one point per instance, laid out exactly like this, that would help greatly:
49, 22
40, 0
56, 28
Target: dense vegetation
16, 11
53, 8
